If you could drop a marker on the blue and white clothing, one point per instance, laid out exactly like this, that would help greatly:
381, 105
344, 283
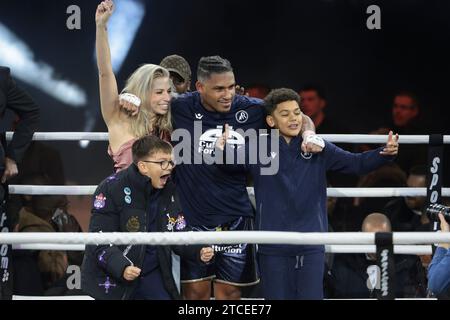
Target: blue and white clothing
209, 196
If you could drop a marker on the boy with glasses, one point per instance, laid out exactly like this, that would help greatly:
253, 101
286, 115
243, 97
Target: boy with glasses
138, 199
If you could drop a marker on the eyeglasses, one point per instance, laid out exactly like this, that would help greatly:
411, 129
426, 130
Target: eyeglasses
164, 164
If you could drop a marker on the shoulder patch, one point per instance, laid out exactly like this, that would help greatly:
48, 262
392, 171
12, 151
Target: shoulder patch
100, 201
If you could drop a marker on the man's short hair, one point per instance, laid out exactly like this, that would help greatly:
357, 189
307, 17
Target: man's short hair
277, 96
411, 95
316, 88
377, 220
149, 145
214, 64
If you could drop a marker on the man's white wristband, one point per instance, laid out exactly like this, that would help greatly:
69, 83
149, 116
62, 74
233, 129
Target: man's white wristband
315, 139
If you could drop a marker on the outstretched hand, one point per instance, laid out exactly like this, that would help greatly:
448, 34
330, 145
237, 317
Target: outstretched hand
391, 148
104, 12
220, 143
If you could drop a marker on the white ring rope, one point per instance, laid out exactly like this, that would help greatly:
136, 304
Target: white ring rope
335, 138
66, 136
52, 190
369, 138
399, 249
49, 247
228, 237
52, 298
331, 192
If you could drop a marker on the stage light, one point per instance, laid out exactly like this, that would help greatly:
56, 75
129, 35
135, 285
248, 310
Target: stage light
17, 55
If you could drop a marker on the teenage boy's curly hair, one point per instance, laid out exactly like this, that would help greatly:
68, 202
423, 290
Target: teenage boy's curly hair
277, 96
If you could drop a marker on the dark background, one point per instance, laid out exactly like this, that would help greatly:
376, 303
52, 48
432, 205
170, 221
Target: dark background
279, 43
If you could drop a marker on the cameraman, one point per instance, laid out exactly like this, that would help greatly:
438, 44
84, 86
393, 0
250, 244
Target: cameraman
439, 269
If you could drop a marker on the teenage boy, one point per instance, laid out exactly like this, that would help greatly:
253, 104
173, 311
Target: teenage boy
294, 198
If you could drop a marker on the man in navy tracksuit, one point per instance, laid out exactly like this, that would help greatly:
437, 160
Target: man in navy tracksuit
213, 200
294, 198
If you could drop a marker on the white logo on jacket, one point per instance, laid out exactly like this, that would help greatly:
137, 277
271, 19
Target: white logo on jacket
306, 155
242, 116
208, 140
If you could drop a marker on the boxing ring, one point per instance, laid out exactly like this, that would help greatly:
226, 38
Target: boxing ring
418, 243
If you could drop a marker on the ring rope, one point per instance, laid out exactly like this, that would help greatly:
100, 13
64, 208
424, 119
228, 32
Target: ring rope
228, 237
399, 249
331, 192
335, 138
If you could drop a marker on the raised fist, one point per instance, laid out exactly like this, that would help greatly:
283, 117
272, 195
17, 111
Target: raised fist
104, 12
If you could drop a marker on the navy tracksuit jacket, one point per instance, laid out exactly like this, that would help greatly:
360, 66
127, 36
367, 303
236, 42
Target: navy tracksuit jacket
295, 200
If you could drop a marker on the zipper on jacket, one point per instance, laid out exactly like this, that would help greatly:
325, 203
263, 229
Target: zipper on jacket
260, 216
125, 252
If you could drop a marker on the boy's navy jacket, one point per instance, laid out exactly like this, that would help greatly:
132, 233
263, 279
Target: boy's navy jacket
295, 198
126, 202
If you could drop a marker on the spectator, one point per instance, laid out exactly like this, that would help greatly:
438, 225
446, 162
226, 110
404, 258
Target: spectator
25, 270
408, 213
313, 103
405, 121
14, 98
389, 175
405, 112
48, 213
180, 72
50, 264
350, 272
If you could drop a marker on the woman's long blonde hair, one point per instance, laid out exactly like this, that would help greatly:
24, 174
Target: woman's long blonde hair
140, 84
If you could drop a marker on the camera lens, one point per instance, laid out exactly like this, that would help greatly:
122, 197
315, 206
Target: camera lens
433, 211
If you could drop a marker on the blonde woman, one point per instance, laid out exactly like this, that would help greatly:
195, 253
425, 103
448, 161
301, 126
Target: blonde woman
150, 83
